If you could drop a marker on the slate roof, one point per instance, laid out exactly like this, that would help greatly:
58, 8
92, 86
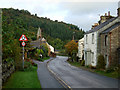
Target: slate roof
37, 43
111, 28
101, 25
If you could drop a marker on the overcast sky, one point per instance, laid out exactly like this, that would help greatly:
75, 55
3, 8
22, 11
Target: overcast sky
82, 13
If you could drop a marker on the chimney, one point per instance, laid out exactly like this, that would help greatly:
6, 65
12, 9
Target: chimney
118, 9
108, 13
105, 14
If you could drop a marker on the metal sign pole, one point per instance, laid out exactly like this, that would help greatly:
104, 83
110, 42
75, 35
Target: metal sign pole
23, 56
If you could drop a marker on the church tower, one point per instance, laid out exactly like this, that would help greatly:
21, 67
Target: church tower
39, 34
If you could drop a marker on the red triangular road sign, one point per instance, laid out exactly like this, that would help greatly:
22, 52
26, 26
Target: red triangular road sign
23, 38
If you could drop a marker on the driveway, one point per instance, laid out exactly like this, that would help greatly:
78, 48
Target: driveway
78, 78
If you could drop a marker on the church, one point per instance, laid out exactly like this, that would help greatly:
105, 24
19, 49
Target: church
41, 40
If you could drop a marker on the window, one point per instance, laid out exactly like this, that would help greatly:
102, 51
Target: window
92, 38
86, 39
106, 37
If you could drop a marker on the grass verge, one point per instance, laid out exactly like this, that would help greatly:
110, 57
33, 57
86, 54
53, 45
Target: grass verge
23, 79
45, 58
113, 74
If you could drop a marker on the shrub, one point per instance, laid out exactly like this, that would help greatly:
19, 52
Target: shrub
83, 63
87, 66
27, 66
108, 70
101, 62
40, 59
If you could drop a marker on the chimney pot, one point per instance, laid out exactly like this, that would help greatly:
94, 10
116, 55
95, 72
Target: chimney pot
118, 12
109, 13
105, 14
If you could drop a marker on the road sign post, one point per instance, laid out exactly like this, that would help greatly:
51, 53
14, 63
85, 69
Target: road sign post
23, 38
23, 57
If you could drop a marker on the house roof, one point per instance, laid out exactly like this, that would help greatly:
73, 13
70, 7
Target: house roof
101, 25
111, 28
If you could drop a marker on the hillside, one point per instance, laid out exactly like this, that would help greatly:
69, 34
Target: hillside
17, 22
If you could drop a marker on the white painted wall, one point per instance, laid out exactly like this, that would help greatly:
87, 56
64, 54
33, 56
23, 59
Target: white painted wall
51, 48
80, 48
90, 49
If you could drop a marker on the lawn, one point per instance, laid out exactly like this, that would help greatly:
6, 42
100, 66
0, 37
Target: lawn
113, 74
23, 79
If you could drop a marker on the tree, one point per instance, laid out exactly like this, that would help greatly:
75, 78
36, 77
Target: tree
72, 49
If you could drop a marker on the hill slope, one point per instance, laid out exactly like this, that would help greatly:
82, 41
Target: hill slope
17, 22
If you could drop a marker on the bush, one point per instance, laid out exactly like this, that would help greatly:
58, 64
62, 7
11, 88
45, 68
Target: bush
83, 63
108, 70
40, 59
27, 66
101, 62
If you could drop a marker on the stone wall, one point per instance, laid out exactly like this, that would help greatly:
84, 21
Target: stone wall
7, 69
113, 43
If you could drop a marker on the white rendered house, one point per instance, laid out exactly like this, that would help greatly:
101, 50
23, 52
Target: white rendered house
80, 48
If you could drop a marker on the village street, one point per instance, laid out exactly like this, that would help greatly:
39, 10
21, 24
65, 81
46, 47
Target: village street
78, 78
45, 77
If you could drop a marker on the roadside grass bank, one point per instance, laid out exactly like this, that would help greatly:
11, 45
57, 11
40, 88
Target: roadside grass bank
23, 79
113, 74
43, 59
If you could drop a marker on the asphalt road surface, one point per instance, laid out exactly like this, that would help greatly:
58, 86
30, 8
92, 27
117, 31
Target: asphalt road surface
47, 80
78, 78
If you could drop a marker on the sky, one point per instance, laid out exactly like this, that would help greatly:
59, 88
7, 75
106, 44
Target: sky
83, 13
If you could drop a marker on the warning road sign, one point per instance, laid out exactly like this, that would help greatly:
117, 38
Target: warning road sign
23, 38
23, 44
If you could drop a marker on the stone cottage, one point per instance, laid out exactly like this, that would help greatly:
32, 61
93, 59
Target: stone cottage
110, 42
92, 42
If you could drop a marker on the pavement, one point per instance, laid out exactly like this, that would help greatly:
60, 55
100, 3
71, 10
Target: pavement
78, 78
46, 78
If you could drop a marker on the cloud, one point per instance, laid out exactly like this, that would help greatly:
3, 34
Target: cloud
82, 13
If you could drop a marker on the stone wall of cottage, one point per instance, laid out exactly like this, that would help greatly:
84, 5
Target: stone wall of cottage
113, 43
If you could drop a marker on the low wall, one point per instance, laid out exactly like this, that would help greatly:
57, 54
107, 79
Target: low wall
7, 70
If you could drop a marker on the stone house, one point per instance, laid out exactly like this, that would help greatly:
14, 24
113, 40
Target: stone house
92, 42
110, 42
80, 48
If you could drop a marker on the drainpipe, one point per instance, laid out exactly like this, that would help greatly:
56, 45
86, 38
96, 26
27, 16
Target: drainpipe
110, 50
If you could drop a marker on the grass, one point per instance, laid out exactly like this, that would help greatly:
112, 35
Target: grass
113, 74
45, 58
23, 79
77, 64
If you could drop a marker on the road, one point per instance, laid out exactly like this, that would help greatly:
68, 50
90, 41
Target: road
46, 78
78, 78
